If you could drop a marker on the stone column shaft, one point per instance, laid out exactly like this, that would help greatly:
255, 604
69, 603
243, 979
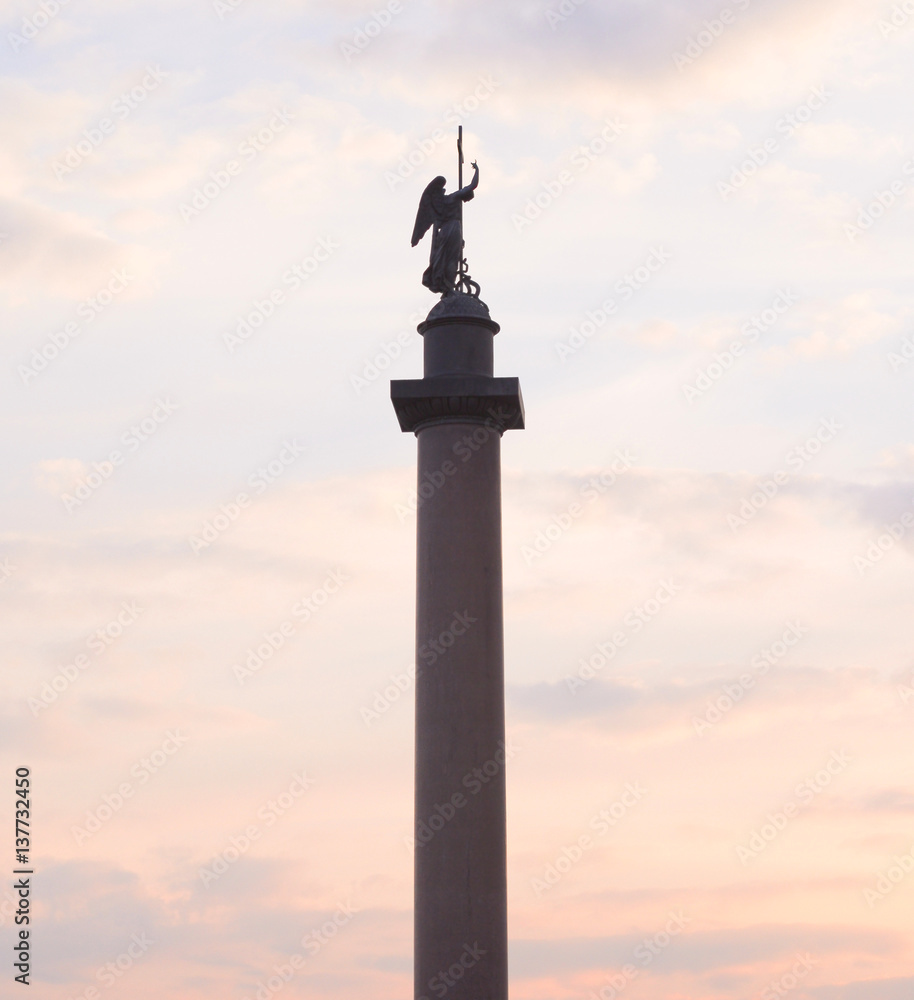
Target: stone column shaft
459, 412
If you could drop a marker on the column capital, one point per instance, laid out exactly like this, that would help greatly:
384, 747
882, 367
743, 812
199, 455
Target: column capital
421, 402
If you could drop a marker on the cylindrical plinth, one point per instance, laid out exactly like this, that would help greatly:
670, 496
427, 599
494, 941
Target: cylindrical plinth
458, 349
460, 874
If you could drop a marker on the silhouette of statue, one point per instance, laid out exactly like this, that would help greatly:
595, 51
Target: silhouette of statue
445, 213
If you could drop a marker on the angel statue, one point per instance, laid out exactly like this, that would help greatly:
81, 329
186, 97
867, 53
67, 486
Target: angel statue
445, 213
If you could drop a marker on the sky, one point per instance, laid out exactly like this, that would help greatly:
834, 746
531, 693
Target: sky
693, 224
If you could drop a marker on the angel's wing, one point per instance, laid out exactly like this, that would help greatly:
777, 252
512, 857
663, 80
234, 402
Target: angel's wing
427, 213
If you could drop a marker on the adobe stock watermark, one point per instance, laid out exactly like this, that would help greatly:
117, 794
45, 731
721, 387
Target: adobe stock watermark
247, 324
223, 7
880, 203
724, 361
428, 485
711, 29
7, 569
385, 698
624, 290
558, 13
98, 643
581, 157
87, 311
366, 32
601, 822
795, 460
275, 639
142, 771
903, 356
229, 513
422, 149
312, 942
897, 18
391, 350
886, 882
132, 440
634, 621
781, 986
434, 648
473, 781
112, 972
464, 449
761, 154
268, 814
805, 794
906, 691
248, 150
32, 25
892, 534
591, 491
444, 980
120, 110
731, 694
9, 907
644, 954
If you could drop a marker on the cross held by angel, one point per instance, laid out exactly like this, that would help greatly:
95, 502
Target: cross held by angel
444, 212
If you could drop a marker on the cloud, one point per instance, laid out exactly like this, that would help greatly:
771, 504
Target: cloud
895, 800
839, 328
89, 911
869, 989
59, 475
698, 951
620, 53
59, 252
594, 572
